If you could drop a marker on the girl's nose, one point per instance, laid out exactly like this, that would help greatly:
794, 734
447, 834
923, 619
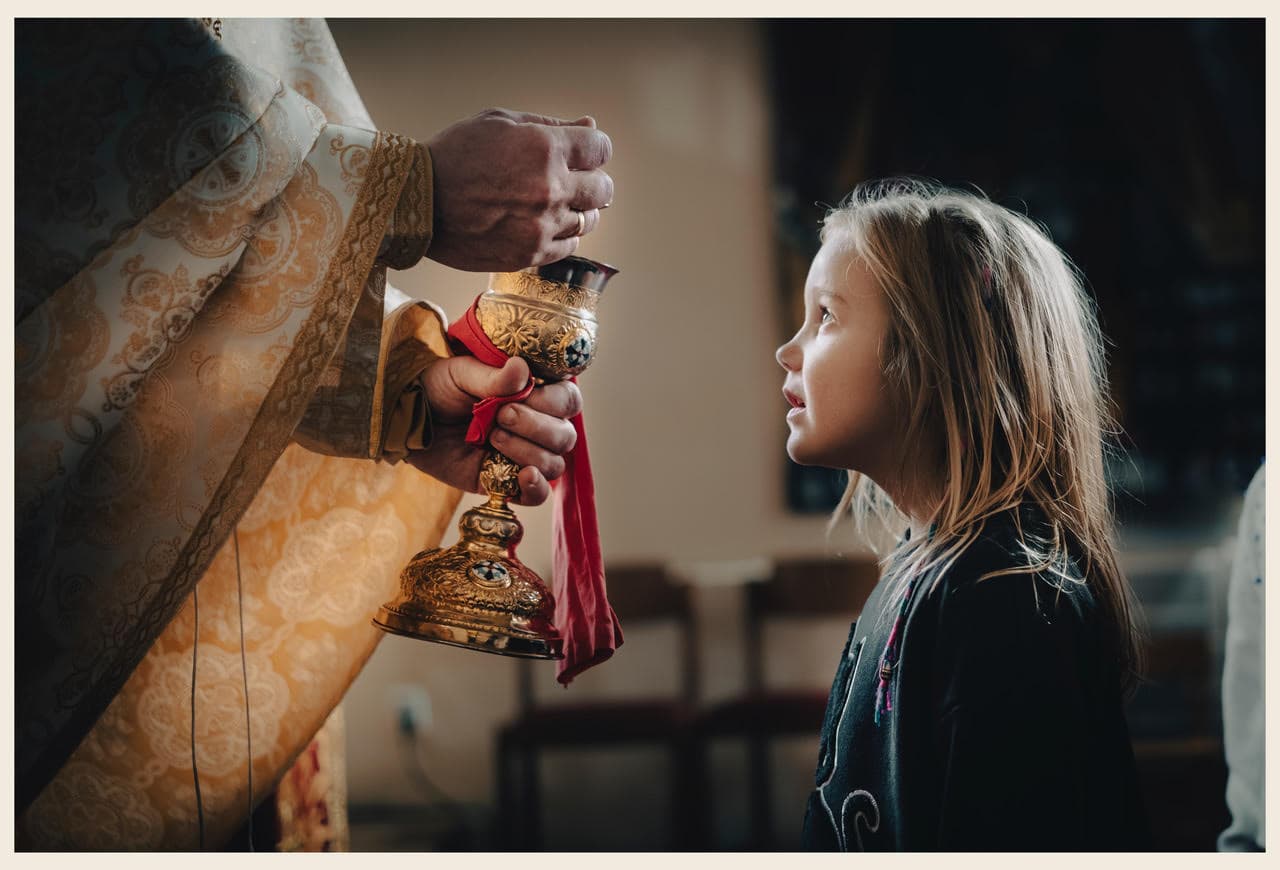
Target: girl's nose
788, 356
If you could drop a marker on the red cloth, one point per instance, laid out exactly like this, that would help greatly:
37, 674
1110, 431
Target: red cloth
587, 623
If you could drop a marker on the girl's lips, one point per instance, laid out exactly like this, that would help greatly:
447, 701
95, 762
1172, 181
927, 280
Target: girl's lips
797, 406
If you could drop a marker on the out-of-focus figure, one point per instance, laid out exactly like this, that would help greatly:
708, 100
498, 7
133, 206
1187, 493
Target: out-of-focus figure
1243, 680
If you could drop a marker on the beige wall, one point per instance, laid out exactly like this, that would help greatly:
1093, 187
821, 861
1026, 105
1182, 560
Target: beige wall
683, 405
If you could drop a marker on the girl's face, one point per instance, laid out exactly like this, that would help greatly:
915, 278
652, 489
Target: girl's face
840, 410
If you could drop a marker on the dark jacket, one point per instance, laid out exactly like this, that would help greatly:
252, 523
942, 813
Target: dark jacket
1006, 730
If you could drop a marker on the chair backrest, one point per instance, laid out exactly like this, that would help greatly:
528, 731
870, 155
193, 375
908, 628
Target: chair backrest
1176, 697
804, 587
645, 593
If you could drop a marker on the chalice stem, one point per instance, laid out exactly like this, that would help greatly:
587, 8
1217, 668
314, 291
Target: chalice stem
500, 477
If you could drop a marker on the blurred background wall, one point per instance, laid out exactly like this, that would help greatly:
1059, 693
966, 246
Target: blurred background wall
1138, 143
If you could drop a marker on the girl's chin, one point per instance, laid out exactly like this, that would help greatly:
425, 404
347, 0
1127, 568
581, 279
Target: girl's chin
803, 454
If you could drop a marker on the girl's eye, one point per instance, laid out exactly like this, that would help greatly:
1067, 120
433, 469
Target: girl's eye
824, 314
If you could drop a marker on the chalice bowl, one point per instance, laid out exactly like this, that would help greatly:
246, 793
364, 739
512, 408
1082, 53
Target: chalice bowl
477, 594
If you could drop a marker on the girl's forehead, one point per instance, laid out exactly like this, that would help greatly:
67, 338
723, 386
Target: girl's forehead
837, 249
838, 268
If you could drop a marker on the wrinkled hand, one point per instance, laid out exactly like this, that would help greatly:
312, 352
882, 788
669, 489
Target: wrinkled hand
507, 188
535, 433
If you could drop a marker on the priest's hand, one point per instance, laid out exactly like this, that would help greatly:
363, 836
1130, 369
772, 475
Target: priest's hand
535, 433
512, 189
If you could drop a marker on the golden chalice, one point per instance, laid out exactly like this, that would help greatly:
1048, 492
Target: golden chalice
477, 594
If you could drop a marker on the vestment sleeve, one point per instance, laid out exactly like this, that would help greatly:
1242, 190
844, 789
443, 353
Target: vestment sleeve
370, 402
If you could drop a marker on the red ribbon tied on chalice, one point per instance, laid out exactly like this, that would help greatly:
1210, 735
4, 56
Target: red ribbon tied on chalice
587, 623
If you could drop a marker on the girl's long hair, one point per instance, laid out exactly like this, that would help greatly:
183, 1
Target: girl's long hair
995, 361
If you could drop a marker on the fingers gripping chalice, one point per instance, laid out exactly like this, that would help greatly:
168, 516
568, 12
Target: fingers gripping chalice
477, 594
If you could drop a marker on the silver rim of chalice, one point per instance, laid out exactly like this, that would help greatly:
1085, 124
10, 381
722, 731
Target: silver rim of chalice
576, 272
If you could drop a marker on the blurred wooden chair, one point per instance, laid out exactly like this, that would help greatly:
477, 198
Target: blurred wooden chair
800, 589
1179, 677
1184, 789
639, 594
1175, 721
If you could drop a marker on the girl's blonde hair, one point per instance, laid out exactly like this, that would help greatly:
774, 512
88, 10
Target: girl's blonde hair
996, 364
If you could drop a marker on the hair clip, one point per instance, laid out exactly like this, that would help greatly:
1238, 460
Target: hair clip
987, 295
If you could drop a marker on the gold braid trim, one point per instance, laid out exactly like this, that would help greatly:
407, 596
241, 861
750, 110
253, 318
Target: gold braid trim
406, 160
411, 225
268, 435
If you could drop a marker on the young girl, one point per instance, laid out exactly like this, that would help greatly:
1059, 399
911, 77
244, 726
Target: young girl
951, 361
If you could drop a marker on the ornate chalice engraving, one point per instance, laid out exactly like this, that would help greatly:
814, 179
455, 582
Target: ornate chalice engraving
575, 350
477, 594
499, 474
538, 329
491, 574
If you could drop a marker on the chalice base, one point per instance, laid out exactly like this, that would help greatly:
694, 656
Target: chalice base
474, 598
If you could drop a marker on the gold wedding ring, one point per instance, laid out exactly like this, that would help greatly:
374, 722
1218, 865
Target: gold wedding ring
582, 223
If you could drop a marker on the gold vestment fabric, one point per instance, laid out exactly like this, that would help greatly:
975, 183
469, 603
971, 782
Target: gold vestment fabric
205, 342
